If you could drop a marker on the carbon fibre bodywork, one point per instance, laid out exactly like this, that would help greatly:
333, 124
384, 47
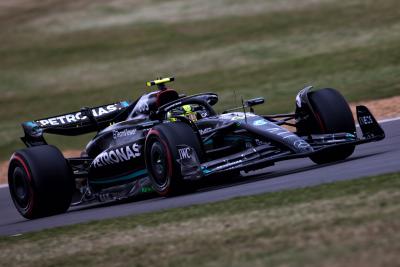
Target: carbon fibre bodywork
112, 165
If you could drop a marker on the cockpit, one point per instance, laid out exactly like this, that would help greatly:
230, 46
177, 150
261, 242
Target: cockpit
151, 102
167, 103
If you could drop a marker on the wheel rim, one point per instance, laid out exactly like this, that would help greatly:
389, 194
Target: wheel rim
21, 188
159, 164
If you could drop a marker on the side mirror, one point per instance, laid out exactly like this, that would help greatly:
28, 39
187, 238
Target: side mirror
255, 101
248, 104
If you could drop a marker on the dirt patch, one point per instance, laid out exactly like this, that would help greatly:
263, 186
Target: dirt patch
382, 109
3, 172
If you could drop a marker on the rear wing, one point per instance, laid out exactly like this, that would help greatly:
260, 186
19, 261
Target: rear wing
75, 123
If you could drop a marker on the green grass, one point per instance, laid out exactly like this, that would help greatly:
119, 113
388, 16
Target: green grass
58, 56
350, 223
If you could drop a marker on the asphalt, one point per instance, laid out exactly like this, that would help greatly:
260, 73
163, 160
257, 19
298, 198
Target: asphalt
368, 159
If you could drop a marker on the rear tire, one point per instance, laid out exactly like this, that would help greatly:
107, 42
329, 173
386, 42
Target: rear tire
40, 182
333, 115
161, 156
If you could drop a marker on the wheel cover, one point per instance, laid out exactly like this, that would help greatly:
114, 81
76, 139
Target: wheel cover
159, 164
20, 188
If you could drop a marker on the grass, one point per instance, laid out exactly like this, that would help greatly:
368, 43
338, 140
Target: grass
57, 56
350, 223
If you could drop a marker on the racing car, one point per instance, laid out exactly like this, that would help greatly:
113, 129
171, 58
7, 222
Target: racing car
165, 142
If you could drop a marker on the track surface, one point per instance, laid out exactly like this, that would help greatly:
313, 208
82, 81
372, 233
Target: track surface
369, 159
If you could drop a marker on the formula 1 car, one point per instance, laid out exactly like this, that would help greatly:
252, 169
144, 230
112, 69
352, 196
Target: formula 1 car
164, 142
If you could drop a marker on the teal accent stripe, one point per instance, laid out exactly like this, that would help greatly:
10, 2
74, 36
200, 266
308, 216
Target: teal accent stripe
209, 142
125, 104
205, 170
122, 178
350, 136
231, 138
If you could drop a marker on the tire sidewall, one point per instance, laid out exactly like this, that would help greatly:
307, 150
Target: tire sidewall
49, 178
156, 136
332, 115
171, 135
17, 162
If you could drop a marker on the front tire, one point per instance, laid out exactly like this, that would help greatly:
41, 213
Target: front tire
333, 115
40, 182
161, 155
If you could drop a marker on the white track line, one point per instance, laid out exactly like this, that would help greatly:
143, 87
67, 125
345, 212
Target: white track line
389, 120
380, 121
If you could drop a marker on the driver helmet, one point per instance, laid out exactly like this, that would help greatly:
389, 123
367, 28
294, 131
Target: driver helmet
185, 110
189, 113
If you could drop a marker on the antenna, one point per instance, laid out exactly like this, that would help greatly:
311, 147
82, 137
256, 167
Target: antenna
244, 110
235, 97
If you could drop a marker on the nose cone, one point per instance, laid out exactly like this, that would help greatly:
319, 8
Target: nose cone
302, 146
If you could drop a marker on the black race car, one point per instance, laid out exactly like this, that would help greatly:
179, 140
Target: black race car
165, 142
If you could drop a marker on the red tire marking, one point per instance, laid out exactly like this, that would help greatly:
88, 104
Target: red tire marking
18, 158
169, 157
31, 196
321, 124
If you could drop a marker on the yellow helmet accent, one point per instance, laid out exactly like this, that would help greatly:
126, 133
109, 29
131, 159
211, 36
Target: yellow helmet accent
187, 108
160, 81
170, 118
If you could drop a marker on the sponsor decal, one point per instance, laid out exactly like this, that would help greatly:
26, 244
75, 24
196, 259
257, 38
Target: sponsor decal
148, 124
124, 133
144, 107
117, 155
189, 162
104, 110
260, 122
366, 120
185, 153
146, 189
204, 131
228, 165
301, 144
237, 116
204, 114
282, 132
260, 142
173, 106
76, 117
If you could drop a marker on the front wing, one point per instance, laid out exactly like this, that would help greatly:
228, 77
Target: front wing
266, 155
